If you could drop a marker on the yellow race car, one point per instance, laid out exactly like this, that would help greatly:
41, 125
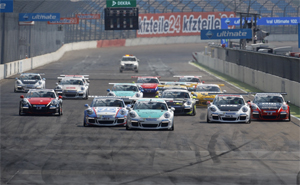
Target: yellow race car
202, 91
189, 86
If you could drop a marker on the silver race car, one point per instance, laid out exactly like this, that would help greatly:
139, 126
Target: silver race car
73, 86
228, 108
28, 81
150, 114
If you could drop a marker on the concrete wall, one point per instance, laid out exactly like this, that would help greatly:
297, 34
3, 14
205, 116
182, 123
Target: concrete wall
263, 81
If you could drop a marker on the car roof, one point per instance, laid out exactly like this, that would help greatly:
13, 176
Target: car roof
29, 74
108, 97
32, 90
268, 94
229, 95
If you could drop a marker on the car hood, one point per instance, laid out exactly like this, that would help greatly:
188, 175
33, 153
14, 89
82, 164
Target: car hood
125, 93
150, 113
229, 107
149, 86
269, 105
106, 110
176, 102
123, 62
39, 101
71, 87
205, 95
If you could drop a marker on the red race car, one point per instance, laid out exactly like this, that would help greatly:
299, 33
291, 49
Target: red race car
41, 101
270, 106
148, 83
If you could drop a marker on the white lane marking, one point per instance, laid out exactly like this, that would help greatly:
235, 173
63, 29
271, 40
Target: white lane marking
191, 63
12, 177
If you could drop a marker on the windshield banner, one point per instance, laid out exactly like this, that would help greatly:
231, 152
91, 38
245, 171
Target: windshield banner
179, 24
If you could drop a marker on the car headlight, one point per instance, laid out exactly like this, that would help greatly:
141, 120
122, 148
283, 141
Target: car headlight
40, 83
111, 94
167, 115
123, 112
54, 102
244, 109
284, 107
253, 107
137, 94
213, 109
82, 88
89, 111
132, 114
19, 82
189, 102
25, 102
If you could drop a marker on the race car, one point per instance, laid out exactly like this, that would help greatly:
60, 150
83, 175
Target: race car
105, 111
150, 114
41, 101
202, 91
189, 86
228, 108
148, 83
129, 63
28, 81
126, 91
73, 86
192, 81
182, 100
167, 87
270, 106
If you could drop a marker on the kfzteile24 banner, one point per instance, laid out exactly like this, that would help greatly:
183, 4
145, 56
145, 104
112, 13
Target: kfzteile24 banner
179, 24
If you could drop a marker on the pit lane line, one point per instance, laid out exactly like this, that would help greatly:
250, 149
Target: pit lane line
191, 63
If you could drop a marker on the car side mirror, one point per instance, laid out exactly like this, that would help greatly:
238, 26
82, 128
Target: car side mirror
288, 102
203, 82
208, 103
22, 96
156, 96
194, 97
248, 101
87, 105
172, 108
59, 97
224, 91
88, 81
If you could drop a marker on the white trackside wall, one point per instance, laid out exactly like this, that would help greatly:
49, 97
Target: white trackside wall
260, 80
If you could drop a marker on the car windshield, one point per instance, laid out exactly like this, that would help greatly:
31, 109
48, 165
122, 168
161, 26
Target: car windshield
175, 95
189, 79
71, 82
228, 100
128, 59
208, 89
40, 94
147, 80
125, 88
268, 99
107, 103
150, 105
30, 77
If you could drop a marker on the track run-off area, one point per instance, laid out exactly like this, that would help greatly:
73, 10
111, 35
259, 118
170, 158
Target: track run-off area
59, 150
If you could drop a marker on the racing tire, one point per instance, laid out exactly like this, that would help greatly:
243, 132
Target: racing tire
194, 111
121, 71
289, 119
127, 127
86, 95
15, 90
84, 123
248, 122
20, 112
60, 113
172, 128
207, 120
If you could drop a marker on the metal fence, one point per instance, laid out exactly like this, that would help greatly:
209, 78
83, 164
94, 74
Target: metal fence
18, 42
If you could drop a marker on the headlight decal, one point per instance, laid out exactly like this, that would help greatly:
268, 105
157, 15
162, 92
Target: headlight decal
132, 114
213, 108
167, 115
284, 107
244, 109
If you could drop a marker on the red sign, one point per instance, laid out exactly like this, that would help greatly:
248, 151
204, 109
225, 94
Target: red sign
179, 24
88, 16
66, 20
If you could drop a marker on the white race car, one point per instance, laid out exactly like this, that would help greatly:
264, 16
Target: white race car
28, 81
228, 108
73, 86
129, 63
105, 111
126, 91
150, 114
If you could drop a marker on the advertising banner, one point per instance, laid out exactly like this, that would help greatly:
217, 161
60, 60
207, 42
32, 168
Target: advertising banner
120, 3
66, 20
226, 34
88, 16
6, 6
299, 35
179, 24
39, 17
225, 22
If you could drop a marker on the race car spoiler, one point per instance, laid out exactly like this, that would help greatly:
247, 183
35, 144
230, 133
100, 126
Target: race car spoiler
145, 76
74, 76
32, 74
178, 76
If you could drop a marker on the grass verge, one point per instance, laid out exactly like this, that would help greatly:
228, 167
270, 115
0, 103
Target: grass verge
295, 111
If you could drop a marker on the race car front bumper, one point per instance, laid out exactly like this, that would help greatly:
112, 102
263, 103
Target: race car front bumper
40, 109
229, 117
149, 125
101, 122
72, 95
270, 115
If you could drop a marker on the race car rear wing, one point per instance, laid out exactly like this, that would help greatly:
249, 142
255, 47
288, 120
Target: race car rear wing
145, 76
74, 76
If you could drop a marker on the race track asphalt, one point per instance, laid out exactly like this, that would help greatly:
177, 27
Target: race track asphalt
59, 150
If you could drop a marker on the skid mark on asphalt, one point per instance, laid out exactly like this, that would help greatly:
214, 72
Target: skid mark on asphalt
211, 148
230, 145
